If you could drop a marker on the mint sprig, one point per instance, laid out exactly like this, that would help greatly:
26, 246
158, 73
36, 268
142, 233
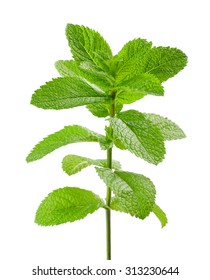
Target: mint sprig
104, 83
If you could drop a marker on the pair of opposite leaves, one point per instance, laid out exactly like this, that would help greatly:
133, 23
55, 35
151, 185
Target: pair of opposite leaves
97, 79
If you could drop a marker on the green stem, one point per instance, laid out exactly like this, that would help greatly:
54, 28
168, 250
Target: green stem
109, 192
108, 211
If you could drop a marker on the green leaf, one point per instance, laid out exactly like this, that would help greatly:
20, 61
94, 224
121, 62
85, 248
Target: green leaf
137, 47
88, 45
134, 193
139, 136
107, 143
73, 164
129, 95
90, 73
67, 68
136, 88
147, 83
168, 129
131, 52
160, 215
87, 71
67, 135
164, 62
102, 110
67, 205
67, 92
110, 140
119, 144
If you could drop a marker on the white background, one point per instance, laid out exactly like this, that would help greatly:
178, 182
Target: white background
32, 39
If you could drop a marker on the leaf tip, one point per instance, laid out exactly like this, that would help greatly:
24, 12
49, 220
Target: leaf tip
160, 214
28, 159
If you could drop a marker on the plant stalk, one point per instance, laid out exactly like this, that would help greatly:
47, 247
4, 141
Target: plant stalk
108, 211
109, 192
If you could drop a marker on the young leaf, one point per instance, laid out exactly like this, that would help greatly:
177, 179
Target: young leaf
67, 205
67, 92
134, 193
139, 136
124, 61
67, 135
102, 110
108, 143
168, 129
73, 164
87, 45
164, 62
160, 215
119, 144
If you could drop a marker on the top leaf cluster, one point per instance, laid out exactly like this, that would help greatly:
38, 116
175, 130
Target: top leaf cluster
95, 77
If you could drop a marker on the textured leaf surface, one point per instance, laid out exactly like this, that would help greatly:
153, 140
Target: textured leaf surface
85, 70
136, 88
168, 129
164, 62
90, 73
138, 57
134, 193
139, 136
67, 92
160, 215
67, 135
129, 56
67, 205
87, 45
67, 68
72, 164
146, 82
